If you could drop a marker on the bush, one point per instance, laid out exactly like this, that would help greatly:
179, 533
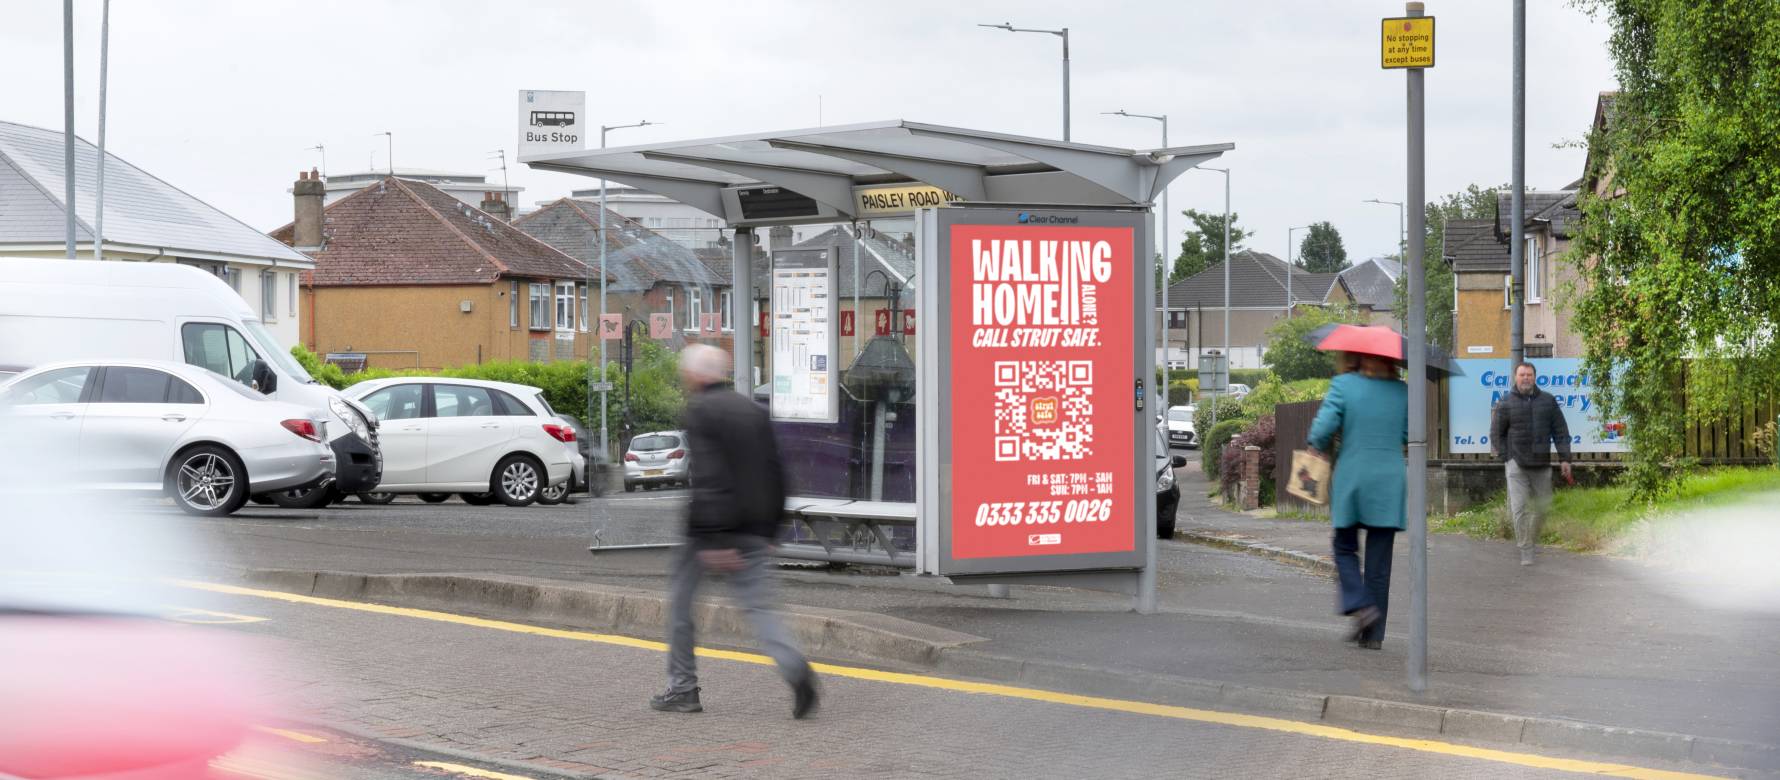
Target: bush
1291, 357
1182, 391
1260, 433
1212, 448
1253, 377
1274, 392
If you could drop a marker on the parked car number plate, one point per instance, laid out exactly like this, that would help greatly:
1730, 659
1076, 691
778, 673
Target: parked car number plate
653, 473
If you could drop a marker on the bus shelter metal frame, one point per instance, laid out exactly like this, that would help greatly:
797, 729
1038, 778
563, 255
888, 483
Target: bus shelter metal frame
831, 165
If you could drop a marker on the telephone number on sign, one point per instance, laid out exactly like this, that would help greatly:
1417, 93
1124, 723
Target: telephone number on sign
1044, 512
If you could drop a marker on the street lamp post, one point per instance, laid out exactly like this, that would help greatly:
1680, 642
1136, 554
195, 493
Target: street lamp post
1064, 34
1290, 265
1162, 231
605, 440
1226, 172
1402, 232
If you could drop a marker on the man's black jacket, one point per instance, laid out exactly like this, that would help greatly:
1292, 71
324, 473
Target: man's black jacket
738, 481
1523, 429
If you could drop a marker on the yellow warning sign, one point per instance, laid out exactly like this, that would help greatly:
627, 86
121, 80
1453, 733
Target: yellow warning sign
1407, 42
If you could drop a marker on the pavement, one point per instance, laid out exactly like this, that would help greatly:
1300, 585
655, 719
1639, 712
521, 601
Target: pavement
1663, 670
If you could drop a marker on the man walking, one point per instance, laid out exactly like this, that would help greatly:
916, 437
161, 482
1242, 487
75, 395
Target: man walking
1524, 426
738, 500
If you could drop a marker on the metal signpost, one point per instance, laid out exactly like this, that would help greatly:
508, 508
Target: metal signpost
1408, 43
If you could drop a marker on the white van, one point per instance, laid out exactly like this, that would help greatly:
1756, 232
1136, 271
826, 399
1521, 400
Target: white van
59, 310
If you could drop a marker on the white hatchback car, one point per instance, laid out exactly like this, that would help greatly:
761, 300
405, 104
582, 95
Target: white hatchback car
158, 426
485, 441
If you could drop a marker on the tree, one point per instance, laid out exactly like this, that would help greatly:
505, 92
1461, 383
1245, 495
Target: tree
1204, 244
1321, 251
1291, 356
1474, 203
1678, 254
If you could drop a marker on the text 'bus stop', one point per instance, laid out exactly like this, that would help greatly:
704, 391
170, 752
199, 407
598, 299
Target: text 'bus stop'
998, 426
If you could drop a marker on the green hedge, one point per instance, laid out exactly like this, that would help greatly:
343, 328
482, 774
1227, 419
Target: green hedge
1182, 391
1211, 451
655, 400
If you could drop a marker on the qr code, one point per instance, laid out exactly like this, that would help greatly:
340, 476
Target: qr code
1044, 410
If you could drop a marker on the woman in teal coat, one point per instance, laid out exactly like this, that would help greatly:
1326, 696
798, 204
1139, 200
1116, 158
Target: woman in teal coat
1369, 408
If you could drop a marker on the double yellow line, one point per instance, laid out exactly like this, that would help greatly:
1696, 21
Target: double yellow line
994, 689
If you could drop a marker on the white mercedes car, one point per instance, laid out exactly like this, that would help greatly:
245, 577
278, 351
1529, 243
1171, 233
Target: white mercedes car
485, 441
157, 426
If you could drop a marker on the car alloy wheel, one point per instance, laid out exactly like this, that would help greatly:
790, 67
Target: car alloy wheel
376, 498
517, 481
205, 481
555, 494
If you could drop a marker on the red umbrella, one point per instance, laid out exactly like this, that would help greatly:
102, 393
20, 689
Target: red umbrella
1381, 341
1367, 340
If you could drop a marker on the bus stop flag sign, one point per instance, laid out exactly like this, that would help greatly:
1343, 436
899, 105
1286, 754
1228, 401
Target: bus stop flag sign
551, 121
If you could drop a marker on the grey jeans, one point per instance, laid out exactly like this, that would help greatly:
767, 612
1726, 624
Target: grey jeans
1529, 498
752, 586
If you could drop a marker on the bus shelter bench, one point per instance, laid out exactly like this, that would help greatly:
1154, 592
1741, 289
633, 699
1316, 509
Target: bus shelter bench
840, 530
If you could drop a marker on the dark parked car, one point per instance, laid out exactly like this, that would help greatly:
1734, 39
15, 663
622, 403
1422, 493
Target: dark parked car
1167, 492
593, 481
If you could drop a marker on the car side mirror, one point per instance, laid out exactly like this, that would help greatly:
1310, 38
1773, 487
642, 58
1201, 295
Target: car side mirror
1179, 461
264, 380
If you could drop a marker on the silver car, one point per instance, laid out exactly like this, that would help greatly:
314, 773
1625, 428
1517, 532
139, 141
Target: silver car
655, 459
157, 427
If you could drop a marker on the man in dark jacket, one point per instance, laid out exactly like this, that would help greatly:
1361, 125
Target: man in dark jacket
738, 500
1524, 426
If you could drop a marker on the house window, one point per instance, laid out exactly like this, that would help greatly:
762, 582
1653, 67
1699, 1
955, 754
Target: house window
1508, 292
728, 325
693, 308
670, 300
293, 295
584, 318
540, 305
565, 305
268, 296
232, 275
1535, 271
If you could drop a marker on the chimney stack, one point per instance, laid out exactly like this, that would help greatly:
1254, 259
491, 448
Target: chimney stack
779, 237
495, 203
309, 192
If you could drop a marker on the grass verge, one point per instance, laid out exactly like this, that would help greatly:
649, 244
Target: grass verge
1589, 519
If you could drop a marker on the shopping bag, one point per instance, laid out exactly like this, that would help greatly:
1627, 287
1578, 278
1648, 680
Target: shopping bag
1310, 477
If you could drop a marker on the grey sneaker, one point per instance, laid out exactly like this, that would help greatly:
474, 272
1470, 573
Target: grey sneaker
684, 701
1526, 557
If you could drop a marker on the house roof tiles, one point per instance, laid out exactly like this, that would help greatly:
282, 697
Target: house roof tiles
400, 232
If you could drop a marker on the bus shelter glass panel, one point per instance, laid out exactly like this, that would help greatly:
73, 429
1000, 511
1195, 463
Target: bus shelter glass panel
867, 452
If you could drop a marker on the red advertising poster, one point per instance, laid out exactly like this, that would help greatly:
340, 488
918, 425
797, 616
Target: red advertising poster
1042, 337
883, 322
846, 323
661, 326
908, 322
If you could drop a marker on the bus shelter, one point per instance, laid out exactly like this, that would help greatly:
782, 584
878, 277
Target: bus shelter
997, 425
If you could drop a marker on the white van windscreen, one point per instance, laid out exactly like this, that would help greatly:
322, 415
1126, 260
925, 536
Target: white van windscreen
277, 354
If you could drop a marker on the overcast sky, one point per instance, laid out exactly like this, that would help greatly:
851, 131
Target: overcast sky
222, 98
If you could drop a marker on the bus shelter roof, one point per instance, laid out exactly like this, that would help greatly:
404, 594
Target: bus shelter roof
827, 163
